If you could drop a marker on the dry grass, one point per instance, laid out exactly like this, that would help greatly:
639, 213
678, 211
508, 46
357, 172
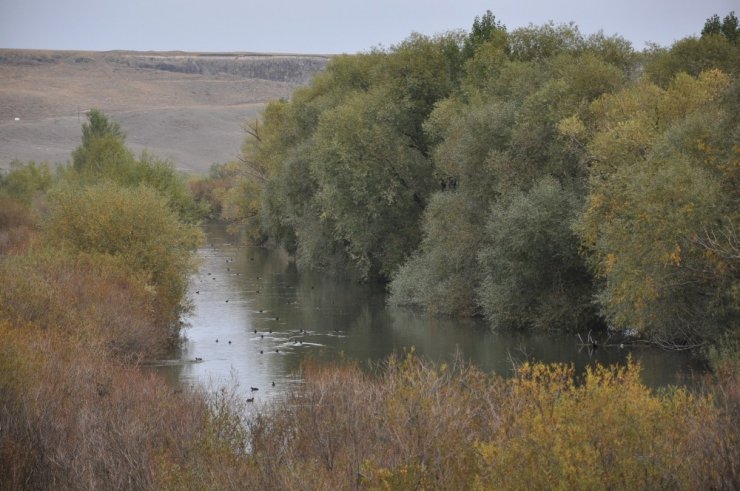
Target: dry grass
193, 119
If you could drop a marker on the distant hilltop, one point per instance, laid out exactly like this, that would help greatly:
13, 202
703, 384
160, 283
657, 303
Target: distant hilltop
289, 68
187, 107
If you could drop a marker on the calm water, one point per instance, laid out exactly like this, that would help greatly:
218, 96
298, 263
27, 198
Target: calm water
239, 290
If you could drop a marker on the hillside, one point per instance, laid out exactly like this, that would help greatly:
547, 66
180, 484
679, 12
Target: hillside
187, 107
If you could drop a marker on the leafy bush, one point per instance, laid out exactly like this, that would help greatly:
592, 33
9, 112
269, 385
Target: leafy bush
533, 274
134, 225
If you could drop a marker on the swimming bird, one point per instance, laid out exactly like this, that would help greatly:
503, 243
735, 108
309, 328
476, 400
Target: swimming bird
261, 352
254, 388
227, 300
198, 359
277, 350
250, 399
273, 383
217, 340
229, 342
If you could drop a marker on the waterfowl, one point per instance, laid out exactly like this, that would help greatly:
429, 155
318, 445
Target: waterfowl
253, 389
250, 399
273, 383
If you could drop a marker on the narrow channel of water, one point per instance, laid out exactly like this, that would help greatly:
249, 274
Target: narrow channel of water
256, 318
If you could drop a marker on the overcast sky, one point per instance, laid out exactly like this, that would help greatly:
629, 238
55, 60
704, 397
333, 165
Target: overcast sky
323, 26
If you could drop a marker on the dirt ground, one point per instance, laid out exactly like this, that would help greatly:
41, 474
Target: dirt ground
186, 107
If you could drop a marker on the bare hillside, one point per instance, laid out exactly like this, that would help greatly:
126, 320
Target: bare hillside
187, 107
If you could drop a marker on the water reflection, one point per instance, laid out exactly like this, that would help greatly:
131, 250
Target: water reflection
256, 318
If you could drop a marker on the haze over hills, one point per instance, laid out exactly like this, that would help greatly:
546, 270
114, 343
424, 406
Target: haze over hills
186, 107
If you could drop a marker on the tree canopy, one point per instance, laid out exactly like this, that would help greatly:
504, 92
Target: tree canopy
540, 177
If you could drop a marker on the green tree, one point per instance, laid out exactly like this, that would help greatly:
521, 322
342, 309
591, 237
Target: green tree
728, 28
103, 155
103, 145
485, 29
533, 274
349, 158
373, 181
731, 28
498, 138
664, 180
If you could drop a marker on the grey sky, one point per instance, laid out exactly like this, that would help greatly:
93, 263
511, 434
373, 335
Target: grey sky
322, 26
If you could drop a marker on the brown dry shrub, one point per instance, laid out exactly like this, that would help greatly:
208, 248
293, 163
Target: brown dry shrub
418, 426
17, 226
412, 425
72, 418
88, 296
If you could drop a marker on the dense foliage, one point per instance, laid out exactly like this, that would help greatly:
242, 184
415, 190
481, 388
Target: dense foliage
539, 177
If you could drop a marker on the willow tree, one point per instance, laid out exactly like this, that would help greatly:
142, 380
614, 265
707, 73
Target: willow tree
663, 206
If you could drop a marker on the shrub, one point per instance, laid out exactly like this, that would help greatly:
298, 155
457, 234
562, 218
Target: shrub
17, 225
133, 225
73, 419
91, 297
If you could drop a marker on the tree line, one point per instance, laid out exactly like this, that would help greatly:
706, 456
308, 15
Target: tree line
538, 177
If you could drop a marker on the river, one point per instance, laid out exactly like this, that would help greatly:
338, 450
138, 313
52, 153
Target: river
255, 318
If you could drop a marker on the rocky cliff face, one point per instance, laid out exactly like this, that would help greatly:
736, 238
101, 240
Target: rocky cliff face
294, 69
277, 68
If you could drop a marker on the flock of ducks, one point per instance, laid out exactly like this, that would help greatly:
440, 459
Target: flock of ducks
296, 339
